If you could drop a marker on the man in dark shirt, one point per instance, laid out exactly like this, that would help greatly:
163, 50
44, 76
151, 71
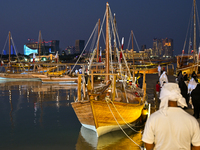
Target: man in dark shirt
140, 80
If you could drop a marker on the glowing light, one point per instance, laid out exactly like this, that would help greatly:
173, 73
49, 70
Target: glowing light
28, 51
167, 44
149, 110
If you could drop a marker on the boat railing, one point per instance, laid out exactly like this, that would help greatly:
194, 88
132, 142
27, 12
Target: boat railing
93, 92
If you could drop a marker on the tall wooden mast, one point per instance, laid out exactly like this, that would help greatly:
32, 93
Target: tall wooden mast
9, 45
114, 38
195, 49
107, 41
132, 47
97, 60
40, 41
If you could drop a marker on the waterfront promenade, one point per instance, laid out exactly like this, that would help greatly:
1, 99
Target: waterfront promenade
151, 80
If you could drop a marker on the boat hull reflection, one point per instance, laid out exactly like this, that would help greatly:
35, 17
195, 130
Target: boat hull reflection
113, 140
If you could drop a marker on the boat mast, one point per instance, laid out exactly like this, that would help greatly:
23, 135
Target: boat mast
195, 49
107, 42
39, 44
114, 39
132, 47
133, 57
98, 41
9, 45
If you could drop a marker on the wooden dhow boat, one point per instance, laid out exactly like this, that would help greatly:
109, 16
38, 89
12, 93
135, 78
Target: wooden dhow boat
190, 62
109, 105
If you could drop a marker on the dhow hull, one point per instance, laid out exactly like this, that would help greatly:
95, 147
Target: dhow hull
103, 117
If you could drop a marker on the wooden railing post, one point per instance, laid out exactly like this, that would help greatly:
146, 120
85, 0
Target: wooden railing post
144, 85
113, 87
79, 87
92, 80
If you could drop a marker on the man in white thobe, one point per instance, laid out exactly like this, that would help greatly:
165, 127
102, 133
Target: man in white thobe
171, 128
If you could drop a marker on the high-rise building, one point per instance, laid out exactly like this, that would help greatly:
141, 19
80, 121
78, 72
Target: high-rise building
55, 46
159, 47
168, 48
155, 47
143, 47
162, 48
79, 46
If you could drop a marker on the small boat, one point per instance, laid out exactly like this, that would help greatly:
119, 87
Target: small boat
57, 79
109, 105
18, 77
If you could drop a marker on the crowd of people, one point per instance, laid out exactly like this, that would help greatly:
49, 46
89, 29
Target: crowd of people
171, 127
190, 89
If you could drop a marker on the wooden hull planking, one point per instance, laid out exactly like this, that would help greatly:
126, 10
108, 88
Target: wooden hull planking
97, 116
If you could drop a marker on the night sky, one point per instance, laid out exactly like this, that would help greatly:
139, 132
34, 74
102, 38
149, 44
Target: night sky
69, 20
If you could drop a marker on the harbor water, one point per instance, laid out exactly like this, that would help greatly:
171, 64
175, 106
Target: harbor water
39, 116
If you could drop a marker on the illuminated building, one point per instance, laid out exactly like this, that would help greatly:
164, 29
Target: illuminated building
69, 50
167, 48
157, 47
137, 55
46, 48
162, 48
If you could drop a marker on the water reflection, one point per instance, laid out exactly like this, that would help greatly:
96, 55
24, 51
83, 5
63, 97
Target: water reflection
114, 140
38, 94
40, 116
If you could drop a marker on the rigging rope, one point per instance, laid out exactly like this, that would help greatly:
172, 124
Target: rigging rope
84, 48
4, 48
129, 41
198, 22
190, 22
128, 124
93, 41
5, 44
124, 83
16, 51
122, 128
91, 60
190, 39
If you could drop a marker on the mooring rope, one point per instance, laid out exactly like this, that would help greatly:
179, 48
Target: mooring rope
128, 124
122, 128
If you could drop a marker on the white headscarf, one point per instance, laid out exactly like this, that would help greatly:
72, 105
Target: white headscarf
172, 92
191, 85
163, 78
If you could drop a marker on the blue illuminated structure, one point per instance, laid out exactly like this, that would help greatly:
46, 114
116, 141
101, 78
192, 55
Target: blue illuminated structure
28, 51
12, 51
4, 52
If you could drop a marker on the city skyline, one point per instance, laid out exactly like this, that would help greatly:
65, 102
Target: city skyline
68, 21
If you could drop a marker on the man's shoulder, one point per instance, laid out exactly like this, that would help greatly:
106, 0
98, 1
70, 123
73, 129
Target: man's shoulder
173, 110
156, 114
